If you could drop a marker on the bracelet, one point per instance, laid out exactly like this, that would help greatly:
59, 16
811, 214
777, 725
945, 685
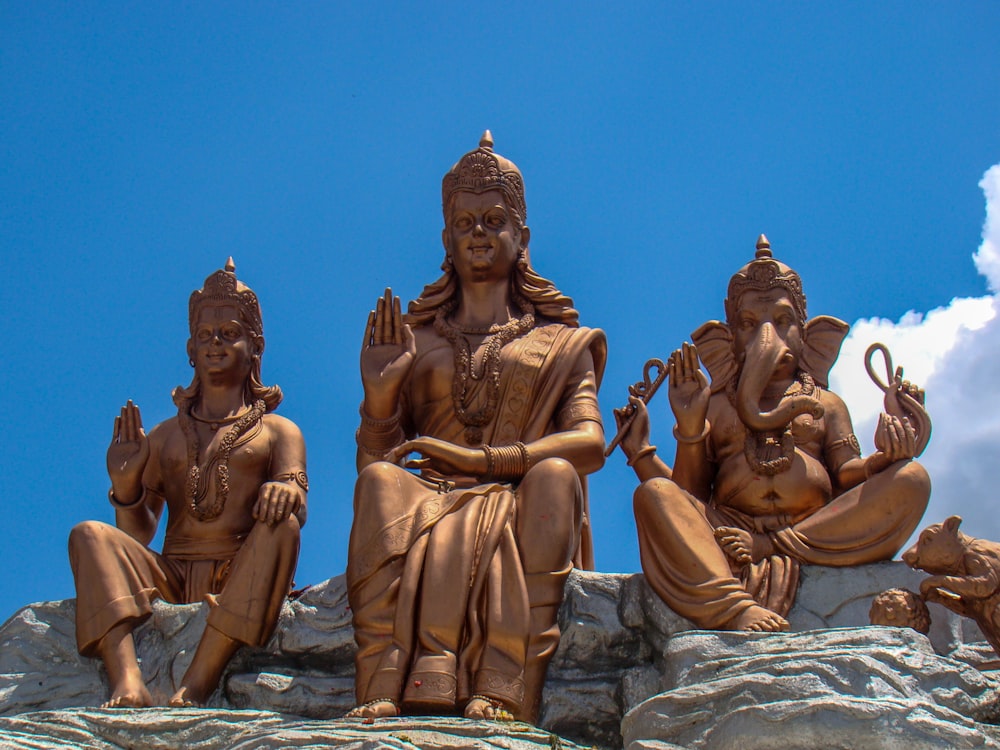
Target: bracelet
641, 454
380, 425
119, 504
376, 437
507, 461
693, 440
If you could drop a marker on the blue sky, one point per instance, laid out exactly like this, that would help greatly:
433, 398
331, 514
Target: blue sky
144, 143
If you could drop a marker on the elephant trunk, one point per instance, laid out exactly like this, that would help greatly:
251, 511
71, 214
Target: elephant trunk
763, 356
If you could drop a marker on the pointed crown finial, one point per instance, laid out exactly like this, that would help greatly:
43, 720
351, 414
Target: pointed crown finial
223, 288
481, 170
763, 247
763, 273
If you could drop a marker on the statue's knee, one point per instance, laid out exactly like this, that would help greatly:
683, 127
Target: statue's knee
373, 480
290, 528
915, 483
652, 495
87, 535
555, 482
282, 532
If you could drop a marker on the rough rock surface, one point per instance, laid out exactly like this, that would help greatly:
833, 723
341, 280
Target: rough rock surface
207, 729
619, 642
823, 688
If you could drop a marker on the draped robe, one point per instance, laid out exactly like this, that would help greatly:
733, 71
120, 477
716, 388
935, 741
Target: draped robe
438, 592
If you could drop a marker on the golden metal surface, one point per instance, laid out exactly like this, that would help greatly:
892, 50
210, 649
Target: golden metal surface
768, 473
479, 420
231, 475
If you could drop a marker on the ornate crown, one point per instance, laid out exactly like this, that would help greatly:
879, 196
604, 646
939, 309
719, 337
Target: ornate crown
482, 170
223, 288
761, 274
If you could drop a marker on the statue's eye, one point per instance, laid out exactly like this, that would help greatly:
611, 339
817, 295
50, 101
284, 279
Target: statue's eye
463, 222
495, 221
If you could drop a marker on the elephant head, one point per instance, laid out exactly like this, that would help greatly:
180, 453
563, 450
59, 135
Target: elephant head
767, 338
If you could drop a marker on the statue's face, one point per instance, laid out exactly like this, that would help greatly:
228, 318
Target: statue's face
759, 310
481, 237
221, 345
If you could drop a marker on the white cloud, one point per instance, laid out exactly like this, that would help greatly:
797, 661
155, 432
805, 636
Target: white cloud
988, 257
954, 353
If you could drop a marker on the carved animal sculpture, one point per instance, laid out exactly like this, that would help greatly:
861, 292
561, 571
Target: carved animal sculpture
965, 574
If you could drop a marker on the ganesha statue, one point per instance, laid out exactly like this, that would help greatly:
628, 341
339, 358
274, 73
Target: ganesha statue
768, 473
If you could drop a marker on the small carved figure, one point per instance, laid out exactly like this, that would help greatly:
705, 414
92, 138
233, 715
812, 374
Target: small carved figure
768, 472
455, 574
965, 574
232, 476
900, 608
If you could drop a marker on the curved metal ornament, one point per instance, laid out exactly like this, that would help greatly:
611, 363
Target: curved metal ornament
644, 389
897, 401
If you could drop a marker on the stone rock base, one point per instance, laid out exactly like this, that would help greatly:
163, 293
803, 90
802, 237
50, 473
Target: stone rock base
207, 729
842, 688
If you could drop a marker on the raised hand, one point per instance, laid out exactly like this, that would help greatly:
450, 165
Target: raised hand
128, 454
387, 356
688, 391
637, 436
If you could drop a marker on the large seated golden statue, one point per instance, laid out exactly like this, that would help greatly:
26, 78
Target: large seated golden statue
231, 475
768, 472
455, 574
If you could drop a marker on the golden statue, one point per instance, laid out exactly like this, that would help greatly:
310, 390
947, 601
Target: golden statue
964, 576
232, 477
768, 472
455, 575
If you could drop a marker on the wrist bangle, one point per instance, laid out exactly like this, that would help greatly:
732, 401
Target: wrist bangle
641, 454
692, 440
119, 504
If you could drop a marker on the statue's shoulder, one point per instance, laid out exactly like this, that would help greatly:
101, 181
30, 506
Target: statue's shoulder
428, 339
281, 426
165, 430
830, 400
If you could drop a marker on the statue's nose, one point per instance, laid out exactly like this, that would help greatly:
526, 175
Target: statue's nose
479, 230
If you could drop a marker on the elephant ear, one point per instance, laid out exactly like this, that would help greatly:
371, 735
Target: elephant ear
715, 349
823, 337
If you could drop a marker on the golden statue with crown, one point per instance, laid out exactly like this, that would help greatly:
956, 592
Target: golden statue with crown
232, 477
768, 472
456, 570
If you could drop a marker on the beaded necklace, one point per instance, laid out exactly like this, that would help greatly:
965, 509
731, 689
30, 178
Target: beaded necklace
226, 444
497, 336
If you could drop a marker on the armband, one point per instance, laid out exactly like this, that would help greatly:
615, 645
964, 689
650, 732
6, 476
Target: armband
124, 506
851, 440
299, 477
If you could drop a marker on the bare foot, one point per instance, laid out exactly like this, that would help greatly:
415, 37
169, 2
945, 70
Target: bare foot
757, 619
374, 710
742, 546
129, 695
481, 707
186, 698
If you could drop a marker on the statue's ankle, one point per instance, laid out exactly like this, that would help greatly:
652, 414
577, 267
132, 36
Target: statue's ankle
763, 546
